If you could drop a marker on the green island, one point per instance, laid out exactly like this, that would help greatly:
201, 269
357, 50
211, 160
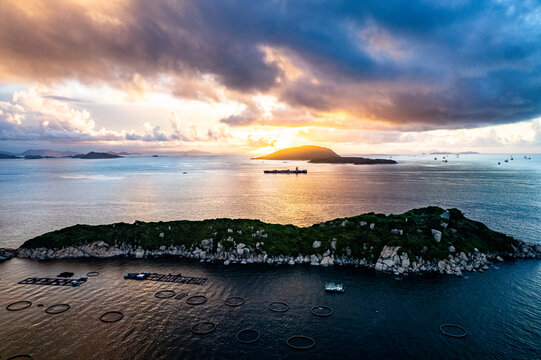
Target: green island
419, 240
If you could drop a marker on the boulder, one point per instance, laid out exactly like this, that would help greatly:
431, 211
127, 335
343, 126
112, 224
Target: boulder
499, 258
405, 263
162, 235
446, 215
316, 244
397, 231
389, 262
372, 226
291, 262
333, 244
363, 223
327, 260
389, 252
452, 249
240, 247
139, 253
437, 235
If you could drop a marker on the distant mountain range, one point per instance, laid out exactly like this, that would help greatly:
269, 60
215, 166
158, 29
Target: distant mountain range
320, 155
48, 154
448, 153
52, 153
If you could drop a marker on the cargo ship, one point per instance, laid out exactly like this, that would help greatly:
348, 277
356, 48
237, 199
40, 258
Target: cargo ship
296, 171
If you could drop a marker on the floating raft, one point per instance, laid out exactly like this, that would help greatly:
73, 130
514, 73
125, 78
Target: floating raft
53, 281
174, 278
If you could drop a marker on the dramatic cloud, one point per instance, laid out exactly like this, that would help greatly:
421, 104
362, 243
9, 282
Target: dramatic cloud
370, 65
31, 116
36, 115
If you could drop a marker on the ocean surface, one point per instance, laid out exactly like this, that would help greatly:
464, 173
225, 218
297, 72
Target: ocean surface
378, 316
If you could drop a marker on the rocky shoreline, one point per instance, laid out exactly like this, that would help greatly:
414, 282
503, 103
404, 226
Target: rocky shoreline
389, 261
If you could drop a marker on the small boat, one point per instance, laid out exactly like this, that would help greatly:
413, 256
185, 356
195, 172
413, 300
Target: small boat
137, 276
334, 288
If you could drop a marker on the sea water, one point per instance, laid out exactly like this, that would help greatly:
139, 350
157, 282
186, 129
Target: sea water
378, 316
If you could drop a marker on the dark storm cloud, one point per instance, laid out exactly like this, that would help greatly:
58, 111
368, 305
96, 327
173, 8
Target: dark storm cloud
431, 64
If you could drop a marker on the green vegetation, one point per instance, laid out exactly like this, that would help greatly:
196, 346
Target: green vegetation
351, 237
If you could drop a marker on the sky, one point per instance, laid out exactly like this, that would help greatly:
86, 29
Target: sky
251, 77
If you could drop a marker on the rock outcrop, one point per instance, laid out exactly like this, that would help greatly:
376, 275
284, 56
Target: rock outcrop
391, 259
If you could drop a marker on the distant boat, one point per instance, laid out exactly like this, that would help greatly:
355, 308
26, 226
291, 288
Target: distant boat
296, 171
506, 160
334, 288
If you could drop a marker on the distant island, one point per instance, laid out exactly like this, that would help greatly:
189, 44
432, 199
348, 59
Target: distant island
429, 239
306, 152
352, 160
97, 155
320, 155
5, 155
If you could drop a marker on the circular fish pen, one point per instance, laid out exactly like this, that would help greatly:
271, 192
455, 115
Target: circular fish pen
196, 300
111, 317
92, 273
19, 357
462, 332
296, 338
322, 311
240, 336
278, 306
18, 305
235, 301
202, 328
164, 294
57, 309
